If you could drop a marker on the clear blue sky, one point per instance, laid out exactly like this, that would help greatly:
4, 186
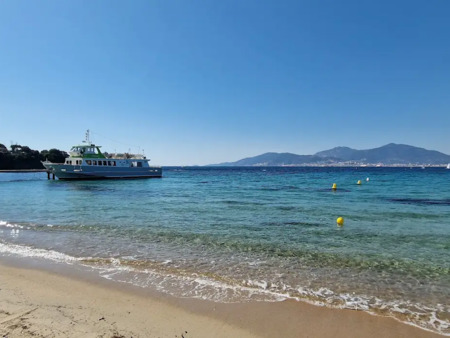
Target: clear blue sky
199, 82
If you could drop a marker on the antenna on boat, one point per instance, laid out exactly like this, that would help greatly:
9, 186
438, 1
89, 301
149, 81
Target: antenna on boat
87, 137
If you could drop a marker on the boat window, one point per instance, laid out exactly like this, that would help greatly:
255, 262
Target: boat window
114, 163
109, 163
88, 162
104, 163
95, 162
139, 164
99, 162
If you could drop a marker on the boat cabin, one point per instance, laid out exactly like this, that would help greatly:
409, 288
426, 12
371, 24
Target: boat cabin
86, 151
90, 155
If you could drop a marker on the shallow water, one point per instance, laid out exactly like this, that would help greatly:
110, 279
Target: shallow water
239, 234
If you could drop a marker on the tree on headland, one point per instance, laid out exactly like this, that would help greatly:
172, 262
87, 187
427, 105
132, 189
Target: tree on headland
53, 155
23, 157
5, 157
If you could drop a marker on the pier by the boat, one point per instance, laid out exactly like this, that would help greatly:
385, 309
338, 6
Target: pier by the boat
50, 174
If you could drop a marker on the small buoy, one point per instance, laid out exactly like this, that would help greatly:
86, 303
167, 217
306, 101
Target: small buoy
340, 221
367, 179
359, 182
334, 187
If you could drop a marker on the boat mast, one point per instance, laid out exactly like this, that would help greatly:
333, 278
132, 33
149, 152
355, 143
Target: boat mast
87, 137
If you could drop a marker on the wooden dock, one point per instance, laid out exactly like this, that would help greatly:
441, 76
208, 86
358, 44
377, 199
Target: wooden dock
24, 171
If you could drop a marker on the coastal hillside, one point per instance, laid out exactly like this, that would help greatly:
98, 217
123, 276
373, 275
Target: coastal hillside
277, 159
22, 157
390, 154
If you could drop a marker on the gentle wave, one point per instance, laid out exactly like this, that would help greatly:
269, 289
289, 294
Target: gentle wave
5, 224
25, 251
248, 233
24, 226
173, 279
421, 201
305, 257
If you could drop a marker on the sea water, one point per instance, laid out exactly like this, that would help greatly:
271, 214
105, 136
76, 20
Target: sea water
250, 234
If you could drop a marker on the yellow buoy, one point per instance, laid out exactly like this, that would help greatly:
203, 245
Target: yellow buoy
340, 221
334, 187
359, 182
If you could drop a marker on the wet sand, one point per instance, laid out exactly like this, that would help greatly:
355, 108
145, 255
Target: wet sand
39, 303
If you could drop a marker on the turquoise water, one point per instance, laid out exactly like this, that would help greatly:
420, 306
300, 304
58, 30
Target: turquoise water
240, 234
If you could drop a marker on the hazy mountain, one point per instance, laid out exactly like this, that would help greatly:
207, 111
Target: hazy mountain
338, 152
276, 159
388, 154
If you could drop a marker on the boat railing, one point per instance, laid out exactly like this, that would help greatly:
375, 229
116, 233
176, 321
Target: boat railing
127, 156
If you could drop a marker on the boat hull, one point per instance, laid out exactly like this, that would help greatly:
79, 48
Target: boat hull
73, 172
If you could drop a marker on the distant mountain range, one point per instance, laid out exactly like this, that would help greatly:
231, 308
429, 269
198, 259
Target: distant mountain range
390, 154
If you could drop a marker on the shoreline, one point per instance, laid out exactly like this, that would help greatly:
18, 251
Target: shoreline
41, 299
337, 165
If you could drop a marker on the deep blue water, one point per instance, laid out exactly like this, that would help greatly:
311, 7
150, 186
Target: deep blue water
239, 234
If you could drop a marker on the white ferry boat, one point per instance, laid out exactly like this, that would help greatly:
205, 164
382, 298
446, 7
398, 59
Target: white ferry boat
86, 161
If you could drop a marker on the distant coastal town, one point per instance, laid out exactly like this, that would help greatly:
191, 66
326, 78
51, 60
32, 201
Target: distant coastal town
357, 164
390, 155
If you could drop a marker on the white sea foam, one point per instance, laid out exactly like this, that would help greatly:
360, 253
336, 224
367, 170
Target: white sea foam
191, 285
26, 251
5, 224
194, 286
204, 288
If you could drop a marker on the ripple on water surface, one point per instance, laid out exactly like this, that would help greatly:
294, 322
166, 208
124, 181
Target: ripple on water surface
246, 234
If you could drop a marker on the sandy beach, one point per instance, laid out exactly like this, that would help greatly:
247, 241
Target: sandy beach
38, 303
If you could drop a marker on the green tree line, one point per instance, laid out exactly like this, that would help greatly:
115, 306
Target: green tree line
22, 157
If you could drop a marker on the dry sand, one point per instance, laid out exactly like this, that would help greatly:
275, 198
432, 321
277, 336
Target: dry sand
36, 303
